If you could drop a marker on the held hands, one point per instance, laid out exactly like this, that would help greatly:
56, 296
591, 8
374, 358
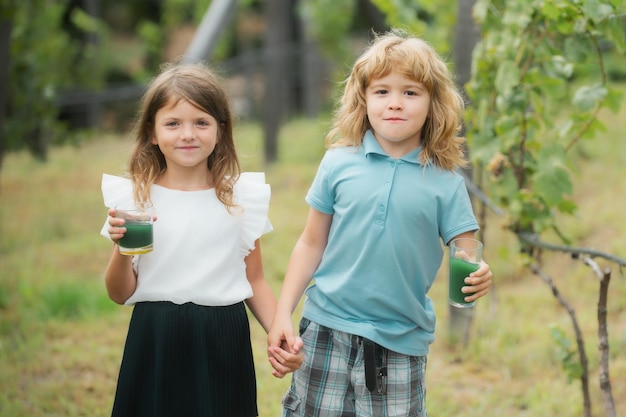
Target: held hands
478, 282
283, 348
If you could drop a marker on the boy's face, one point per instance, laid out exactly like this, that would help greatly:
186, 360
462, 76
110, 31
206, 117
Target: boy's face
397, 108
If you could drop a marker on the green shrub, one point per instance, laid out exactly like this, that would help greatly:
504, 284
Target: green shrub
73, 300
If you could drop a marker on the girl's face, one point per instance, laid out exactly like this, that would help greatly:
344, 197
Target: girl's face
397, 108
185, 134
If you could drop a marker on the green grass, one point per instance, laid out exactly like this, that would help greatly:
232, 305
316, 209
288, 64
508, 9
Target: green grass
61, 339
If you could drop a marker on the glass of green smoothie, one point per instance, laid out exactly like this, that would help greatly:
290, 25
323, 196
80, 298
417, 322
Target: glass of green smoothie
138, 219
465, 257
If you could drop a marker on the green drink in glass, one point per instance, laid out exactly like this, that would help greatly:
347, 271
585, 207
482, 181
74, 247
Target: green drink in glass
465, 257
138, 220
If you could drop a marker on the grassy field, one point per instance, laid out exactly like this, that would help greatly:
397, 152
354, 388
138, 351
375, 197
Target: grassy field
61, 339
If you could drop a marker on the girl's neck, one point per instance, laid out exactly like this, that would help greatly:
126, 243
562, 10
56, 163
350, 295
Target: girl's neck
184, 181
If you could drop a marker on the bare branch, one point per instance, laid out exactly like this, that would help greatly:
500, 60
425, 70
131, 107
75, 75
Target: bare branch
534, 241
582, 355
603, 335
594, 266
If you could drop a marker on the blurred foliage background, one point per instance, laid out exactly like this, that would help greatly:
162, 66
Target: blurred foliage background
74, 65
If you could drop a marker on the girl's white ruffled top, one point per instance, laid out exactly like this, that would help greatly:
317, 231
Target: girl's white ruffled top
199, 246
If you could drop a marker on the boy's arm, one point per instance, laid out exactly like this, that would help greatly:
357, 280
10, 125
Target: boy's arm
304, 260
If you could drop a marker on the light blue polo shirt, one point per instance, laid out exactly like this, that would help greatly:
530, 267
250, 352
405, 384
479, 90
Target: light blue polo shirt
384, 246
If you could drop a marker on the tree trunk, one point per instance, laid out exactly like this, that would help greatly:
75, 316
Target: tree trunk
94, 107
277, 72
465, 39
373, 16
312, 71
6, 26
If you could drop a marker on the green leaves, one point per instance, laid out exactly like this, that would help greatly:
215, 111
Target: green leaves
588, 97
597, 10
338, 15
507, 78
401, 13
566, 354
538, 83
552, 180
43, 60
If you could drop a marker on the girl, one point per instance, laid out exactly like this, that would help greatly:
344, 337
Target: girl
188, 350
384, 197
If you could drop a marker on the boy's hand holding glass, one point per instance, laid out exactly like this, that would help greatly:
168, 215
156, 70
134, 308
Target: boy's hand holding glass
465, 259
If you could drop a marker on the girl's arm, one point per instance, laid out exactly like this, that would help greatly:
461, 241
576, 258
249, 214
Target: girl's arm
304, 260
119, 278
480, 280
262, 304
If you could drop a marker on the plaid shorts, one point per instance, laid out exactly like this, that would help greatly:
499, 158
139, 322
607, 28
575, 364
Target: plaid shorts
331, 380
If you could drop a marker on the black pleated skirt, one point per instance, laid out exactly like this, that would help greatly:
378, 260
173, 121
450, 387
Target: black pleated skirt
187, 360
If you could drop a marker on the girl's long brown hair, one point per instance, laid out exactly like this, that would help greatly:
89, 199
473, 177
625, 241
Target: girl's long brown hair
417, 60
200, 86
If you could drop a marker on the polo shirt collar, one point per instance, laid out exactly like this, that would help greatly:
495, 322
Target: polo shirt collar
371, 146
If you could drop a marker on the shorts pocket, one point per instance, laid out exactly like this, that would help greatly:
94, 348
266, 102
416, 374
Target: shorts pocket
304, 324
291, 401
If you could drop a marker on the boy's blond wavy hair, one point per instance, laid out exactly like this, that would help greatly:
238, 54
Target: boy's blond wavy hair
200, 86
415, 59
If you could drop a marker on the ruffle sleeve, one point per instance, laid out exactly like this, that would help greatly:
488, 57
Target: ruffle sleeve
115, 191
253, 195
